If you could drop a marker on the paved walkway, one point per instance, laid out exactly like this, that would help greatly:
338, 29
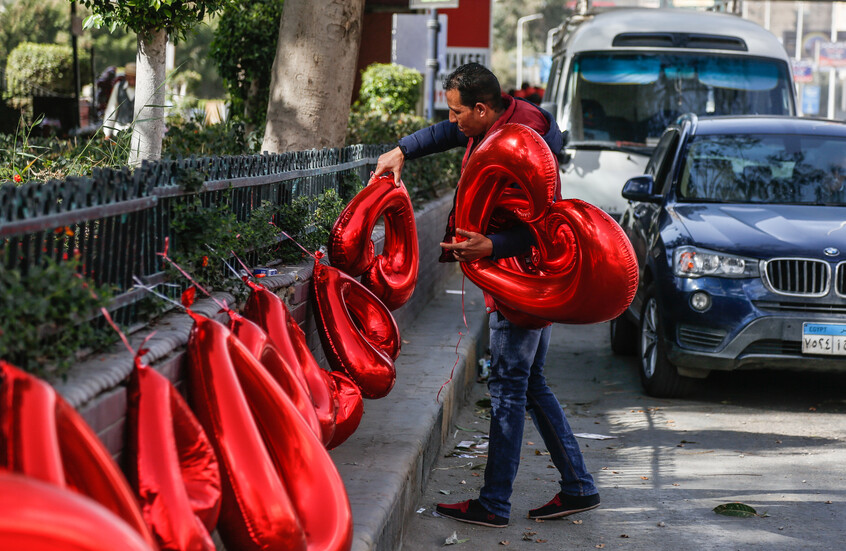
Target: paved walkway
384, 462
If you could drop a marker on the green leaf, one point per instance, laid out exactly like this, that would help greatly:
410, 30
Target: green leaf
483, 403
93, 21
735, 509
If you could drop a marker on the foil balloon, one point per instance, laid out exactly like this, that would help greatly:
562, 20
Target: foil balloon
392, 275
288, 376
42, 436
350, 409
284, 491
256, 511
582, 268
39, 516
269, 312
171, 465
359, 333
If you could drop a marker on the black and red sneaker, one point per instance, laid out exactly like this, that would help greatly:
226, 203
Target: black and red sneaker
563, 505
471, 511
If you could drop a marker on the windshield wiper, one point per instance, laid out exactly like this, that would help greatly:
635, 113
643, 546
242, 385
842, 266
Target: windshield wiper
625, 147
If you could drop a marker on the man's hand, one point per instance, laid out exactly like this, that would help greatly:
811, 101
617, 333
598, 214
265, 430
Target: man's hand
391, 161
474, 247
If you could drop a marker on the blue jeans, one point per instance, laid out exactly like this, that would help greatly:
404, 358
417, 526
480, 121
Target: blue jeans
516, 384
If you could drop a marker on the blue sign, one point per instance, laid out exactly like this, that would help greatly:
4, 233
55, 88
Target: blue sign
811, 99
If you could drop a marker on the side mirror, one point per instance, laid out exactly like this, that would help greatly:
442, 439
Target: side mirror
641, 188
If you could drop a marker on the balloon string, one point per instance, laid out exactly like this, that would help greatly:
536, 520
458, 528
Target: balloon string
460, 335
241, 262
152, 291
111, 322
164, 255
294, 241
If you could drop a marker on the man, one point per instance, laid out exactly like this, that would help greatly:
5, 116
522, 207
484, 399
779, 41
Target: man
516, 382
121, 105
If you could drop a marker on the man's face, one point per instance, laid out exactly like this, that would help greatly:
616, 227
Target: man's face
472, 121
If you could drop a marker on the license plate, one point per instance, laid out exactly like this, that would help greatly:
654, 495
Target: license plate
824, 338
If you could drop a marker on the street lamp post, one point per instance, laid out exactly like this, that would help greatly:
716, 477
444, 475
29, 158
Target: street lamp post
520, 45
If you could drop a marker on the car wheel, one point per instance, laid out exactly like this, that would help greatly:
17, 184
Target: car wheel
623, 336
658, 376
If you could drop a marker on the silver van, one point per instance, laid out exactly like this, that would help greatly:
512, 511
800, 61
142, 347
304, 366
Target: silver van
620, 76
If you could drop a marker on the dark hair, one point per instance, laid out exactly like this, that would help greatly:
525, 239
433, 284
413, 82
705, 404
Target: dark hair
475, 84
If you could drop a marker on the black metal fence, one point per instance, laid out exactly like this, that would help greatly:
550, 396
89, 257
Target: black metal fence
116, 221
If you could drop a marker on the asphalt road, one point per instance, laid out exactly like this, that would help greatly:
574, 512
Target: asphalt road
775, 441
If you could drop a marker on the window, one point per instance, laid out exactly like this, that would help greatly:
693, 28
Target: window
633, 97
766, 168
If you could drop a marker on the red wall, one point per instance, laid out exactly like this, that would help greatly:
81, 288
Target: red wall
469, 25
375, 44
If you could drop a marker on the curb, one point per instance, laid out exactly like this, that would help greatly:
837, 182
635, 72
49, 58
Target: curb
385, 464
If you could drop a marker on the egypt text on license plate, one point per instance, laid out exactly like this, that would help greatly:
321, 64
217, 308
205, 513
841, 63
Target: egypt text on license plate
824, 338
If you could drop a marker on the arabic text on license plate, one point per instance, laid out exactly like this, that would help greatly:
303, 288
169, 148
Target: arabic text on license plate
824, 338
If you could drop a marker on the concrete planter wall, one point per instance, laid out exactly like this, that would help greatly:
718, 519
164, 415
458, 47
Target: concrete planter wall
97, 388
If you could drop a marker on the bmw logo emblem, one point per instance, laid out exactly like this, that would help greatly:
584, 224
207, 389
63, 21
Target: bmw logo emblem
831, 251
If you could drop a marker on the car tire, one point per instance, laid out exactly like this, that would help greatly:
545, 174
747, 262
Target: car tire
623, 336
659, 377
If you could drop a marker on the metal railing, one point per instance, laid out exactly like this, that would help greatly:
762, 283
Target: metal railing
116, 221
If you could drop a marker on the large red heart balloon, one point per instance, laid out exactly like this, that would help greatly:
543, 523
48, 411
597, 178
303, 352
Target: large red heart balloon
289, 377
359, 333
171, 464
269, 312
392, 275
582, 268
39, 516
42, 436
288, 493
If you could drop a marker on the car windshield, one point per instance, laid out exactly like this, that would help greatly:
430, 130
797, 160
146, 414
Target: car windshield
789, 168
632, 97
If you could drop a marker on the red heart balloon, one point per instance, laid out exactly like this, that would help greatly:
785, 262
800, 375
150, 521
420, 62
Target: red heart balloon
171, 464
43, 437
582, 268
392, 275
269, 312
39, 516
350, 409
265, 445
289, 377
359, 333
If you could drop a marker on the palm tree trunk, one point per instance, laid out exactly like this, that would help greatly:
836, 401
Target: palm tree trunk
313, 74
148, 126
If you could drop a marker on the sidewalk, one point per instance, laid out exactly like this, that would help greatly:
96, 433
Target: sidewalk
386, 462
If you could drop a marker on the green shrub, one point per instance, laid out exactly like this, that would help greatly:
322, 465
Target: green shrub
38, 69
426, 178
257, 240
388, 88
26, 157
186, 137
44, 317
243, 48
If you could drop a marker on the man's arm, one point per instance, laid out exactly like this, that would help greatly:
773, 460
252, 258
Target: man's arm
505, 244
439, 137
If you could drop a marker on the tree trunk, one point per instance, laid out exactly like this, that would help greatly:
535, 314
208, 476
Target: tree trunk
313, 74
148, 125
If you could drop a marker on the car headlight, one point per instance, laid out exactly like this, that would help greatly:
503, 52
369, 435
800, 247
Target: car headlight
696, 262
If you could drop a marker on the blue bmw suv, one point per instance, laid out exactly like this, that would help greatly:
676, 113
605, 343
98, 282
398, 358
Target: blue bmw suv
739, 227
